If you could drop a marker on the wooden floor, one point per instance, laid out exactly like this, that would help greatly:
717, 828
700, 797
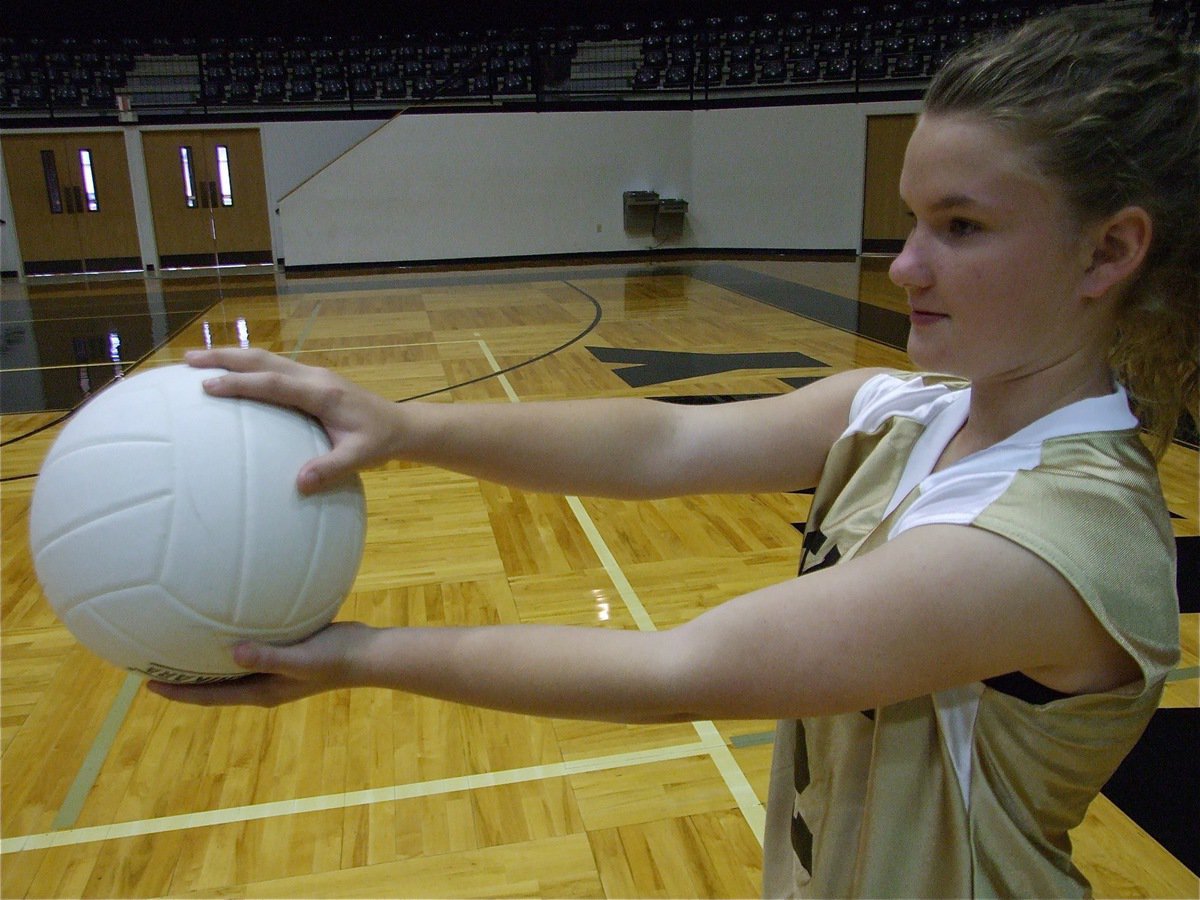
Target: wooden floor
109, 791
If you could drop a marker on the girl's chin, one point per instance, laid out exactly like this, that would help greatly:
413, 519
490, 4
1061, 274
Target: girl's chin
925, 358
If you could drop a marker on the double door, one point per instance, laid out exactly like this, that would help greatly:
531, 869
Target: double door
209, 197
72, 202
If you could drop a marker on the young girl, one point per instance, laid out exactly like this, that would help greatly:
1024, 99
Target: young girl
986, 613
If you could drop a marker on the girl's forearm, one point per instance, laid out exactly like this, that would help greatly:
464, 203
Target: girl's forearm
557, 671
611, 448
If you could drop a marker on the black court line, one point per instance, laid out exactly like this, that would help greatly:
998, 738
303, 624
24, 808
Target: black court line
597, 315
1158, 783
862, 319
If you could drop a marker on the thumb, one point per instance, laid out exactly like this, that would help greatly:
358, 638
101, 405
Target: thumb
324, 471
266, 658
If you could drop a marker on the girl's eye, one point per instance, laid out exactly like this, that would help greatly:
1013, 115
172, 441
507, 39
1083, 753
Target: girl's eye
962, 227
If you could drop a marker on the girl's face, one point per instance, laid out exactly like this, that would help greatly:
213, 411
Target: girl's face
992, 267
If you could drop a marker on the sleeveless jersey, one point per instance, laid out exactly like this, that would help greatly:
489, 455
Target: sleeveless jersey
972, 791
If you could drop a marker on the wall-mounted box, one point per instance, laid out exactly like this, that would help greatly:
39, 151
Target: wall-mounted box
641, 209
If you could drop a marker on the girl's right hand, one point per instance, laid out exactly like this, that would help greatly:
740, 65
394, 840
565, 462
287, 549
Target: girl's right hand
361, 425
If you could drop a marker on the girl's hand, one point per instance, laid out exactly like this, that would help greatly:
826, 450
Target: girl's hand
361, 425
326, 661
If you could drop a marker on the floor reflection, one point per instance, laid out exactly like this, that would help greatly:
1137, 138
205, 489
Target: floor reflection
61, 342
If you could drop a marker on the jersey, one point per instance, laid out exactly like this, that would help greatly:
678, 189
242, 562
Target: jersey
972, 791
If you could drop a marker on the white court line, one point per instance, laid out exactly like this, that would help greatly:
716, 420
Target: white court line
85, 778
387, 346
391, 794
735, 779
89, 770
308, 326
710, 743
503, 379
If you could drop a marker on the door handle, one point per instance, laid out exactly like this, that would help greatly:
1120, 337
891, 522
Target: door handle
78, 198
212, 194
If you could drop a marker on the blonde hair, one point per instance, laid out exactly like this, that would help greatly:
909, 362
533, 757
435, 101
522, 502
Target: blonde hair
1112, 115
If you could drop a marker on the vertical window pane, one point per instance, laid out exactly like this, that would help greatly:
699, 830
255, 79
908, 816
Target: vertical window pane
189, 176
50, 173
223, 175
89, 180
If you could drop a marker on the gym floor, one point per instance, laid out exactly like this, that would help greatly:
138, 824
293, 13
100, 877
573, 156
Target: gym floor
109, 791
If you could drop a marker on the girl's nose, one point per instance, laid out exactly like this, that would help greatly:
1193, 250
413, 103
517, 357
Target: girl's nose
908, 270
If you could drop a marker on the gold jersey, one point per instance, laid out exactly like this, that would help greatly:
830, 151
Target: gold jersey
972, 791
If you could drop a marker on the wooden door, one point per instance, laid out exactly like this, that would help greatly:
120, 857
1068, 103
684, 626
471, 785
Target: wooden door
208, 193
885, 219
72, 202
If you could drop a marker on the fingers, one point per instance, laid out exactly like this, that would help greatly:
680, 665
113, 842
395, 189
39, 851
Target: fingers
281, 674
357, 422
255, 374
250, 690
237, 359
269, 681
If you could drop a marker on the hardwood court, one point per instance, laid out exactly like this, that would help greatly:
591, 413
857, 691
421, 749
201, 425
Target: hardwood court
109, 791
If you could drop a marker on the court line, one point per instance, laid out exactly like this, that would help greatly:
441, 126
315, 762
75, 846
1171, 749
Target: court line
308, 326
710, 743
387, 346
89, 771
292, 355
390, 794
735, 779
93, 762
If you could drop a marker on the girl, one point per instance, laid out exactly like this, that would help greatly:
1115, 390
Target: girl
986, 612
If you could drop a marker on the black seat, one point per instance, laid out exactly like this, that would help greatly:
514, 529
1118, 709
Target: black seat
872, 67
303, 89
394, 88
839, 70
272, 90
709, 75
334, 89
773, 72
645, 79
67, 95
741, 73
241, 92
680, 76
805, 69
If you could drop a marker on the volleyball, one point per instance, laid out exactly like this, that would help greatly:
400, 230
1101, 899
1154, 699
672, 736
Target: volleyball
166, 526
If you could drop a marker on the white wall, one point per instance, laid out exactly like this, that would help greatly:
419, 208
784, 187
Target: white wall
294, 151
485, 185
778, 177
10, 255
431, 187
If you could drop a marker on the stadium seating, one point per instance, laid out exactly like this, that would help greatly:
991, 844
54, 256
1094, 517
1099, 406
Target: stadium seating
840, 46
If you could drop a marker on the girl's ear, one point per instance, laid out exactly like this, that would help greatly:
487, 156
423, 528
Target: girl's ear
1118, 245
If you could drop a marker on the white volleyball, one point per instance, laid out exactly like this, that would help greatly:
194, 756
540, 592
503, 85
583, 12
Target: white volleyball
166, 526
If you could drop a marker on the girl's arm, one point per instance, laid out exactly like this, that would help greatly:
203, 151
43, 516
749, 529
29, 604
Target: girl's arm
938, 606
628, 448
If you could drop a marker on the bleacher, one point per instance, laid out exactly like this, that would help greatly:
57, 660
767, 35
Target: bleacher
850, 48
